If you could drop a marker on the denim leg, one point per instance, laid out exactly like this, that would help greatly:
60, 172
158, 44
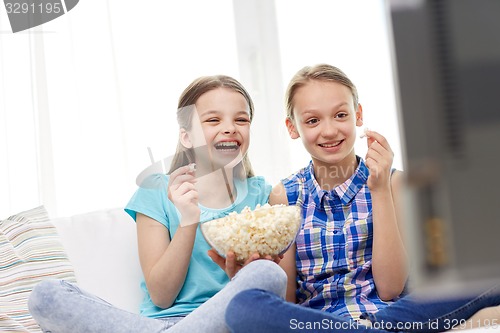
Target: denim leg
61, 307
414, 313
209, 317
259, 311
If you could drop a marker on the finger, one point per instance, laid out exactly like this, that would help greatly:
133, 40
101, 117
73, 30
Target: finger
380, 156
376, 146
184, 178
374, 152
174, 186
186, 169
375, 136
185, 188
220, 261
231, 265
370, 163
269, 257
369, 141
181, 170
191, 196
376, 169
253, 257
373, 167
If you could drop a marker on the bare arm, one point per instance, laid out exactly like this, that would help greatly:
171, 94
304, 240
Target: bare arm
389, 258
289, 266
390, 261
165, 260
278, 196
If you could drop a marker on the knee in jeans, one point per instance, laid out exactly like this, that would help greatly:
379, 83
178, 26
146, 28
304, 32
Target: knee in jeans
42, 297
271, 276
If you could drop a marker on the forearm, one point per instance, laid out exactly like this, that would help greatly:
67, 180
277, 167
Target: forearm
289, 265
167, 276
389, 258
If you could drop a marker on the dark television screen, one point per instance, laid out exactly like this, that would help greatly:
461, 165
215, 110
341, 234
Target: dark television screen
447, 65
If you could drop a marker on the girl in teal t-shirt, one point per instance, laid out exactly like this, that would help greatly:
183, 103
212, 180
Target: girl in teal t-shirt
203, 278
210, 176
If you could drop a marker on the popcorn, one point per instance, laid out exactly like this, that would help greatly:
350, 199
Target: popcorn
364, 134
268, 230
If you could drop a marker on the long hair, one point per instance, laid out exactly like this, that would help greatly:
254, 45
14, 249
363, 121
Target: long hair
321, 72
185, 108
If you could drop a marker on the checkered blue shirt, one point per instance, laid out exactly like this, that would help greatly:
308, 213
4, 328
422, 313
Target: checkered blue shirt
334, 245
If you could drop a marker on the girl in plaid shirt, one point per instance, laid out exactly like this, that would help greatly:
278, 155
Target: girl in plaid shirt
350, 240
349, 259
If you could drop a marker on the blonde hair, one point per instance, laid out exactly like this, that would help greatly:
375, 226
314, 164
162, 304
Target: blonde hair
321, 72
185, 108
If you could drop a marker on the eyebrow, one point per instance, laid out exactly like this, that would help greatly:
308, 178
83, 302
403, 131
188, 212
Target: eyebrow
336, 107
215, 112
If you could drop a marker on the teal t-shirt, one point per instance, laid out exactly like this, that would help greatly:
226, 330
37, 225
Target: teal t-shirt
204, 278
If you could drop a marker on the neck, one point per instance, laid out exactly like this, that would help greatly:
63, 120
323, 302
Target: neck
330, 176
216, 189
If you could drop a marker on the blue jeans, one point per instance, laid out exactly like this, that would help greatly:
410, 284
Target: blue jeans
260, 311
62, 307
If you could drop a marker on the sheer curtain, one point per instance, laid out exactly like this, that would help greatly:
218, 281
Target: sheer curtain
83, 97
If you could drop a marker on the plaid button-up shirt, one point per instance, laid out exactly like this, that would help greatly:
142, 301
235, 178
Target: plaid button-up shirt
334, 245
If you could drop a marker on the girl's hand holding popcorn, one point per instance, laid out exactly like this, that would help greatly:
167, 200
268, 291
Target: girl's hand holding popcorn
379, 161
182, 192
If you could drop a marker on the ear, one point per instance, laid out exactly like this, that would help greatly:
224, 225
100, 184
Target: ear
292, 130
359, 116
184, 138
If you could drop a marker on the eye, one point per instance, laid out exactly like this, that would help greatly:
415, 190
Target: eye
342, 114
243, 120
312, 121
212, 120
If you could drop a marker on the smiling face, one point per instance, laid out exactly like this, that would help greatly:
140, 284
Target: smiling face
221, 123
324, 117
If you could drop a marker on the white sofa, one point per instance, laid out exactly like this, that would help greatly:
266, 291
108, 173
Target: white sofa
102, 247
97, 250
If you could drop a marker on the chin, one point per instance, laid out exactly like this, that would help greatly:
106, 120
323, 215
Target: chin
330, 159
226, 162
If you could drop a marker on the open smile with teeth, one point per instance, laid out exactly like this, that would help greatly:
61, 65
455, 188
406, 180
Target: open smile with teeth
330, 145
227, 146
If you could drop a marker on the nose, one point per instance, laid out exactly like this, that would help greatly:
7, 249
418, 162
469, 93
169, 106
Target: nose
329, 130
229, 127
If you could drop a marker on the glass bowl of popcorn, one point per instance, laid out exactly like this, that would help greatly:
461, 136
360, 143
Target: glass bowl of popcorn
267, 230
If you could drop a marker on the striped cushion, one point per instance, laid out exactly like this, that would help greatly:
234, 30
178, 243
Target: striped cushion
30, 251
